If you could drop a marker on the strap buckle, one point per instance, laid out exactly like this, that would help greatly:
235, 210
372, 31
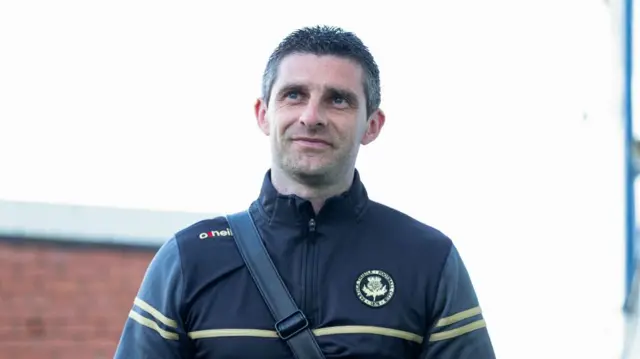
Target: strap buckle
291, 325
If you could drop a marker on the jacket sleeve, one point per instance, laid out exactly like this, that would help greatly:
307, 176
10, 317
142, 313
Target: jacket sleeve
154, 328
459, 329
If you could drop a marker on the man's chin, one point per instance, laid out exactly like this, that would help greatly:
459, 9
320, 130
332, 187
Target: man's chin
312, 170
308, 171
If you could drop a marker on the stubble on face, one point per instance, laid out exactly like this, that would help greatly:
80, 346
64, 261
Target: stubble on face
309, 165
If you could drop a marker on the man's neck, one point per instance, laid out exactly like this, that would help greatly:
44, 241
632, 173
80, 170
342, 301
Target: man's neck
317, 195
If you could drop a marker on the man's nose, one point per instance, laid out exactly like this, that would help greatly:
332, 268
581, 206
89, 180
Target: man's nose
313, 115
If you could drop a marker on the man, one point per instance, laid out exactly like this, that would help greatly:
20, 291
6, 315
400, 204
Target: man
373, 282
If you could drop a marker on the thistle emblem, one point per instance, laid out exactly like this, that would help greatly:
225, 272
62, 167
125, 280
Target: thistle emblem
375, 288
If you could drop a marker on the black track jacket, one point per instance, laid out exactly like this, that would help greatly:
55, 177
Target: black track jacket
373, 282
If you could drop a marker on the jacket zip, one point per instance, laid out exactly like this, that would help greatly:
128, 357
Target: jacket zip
310, 271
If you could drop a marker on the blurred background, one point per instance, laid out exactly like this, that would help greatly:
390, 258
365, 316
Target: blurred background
509, 128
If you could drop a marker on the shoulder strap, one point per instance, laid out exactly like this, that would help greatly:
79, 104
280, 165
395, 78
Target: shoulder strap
291, 324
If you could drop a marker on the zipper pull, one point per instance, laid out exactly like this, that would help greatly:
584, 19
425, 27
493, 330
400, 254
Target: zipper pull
312, 225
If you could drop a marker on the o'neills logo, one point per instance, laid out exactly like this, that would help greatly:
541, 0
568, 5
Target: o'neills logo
212, 234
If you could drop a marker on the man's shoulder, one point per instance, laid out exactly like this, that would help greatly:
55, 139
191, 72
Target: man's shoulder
409, 230
208, 242
210, 228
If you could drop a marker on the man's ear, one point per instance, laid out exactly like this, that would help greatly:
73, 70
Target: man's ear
261, 116
374, 126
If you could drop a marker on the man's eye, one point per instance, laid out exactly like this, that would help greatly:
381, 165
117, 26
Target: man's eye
293, 95
339, 100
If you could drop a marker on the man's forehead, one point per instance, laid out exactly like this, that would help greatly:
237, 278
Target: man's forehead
321, 71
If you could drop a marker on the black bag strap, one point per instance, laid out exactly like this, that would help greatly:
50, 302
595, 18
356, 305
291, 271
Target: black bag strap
291, 324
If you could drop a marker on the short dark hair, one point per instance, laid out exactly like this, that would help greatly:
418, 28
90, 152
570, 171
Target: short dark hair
326, 40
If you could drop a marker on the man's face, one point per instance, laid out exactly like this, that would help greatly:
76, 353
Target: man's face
316, 116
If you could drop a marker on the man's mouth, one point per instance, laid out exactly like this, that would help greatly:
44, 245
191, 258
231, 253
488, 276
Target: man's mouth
311, 142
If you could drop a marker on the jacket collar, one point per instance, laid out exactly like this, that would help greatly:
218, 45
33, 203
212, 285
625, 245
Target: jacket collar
293, 209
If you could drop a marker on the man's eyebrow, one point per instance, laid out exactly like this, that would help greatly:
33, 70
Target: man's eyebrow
291, 87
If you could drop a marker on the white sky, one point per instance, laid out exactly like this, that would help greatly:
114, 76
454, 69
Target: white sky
502, 131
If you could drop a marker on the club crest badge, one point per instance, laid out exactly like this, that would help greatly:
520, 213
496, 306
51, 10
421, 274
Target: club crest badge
375, 288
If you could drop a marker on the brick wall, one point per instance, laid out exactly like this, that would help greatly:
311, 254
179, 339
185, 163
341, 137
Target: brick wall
65, 301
